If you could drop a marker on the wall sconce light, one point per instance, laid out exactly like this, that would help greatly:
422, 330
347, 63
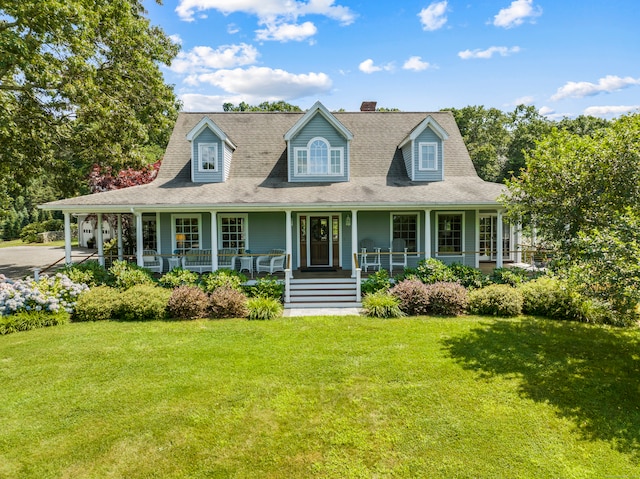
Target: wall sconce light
348, 220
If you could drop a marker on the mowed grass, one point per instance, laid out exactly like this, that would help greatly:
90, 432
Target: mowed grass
329, 397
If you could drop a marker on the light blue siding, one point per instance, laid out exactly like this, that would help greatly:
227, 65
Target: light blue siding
318, 126
266, 231
429, 136
207, 136
408, 158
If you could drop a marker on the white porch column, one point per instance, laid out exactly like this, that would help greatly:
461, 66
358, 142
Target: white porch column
214, 241
139, 239
159, 236
499, 241
67, 238
427, 234
518, 242
289, 236
100, 241
354, 241
119, 233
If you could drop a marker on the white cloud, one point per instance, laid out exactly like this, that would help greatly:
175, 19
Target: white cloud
266, 83
175, 38
605, 85
369, 67
416, 64
516, 13
267, 10
524, 100
232, 29
488, 53
434, 16
610, 111
227, 56
285, 32
199, 102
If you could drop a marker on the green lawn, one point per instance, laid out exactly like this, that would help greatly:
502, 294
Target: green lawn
329, 397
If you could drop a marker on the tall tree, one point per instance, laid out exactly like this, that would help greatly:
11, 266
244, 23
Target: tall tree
264, 106
80, 84
485, 132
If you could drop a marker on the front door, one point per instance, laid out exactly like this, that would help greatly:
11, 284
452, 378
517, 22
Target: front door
319, 240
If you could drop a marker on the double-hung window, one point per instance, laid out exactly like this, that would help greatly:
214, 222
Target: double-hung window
405, 230
450, 233
208, 157
186, 233
428, 156
233, 232
319, 159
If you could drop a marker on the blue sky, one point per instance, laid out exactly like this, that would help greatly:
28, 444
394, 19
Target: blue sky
565, 57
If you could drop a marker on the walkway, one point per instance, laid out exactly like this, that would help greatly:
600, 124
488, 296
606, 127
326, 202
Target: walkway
16, 262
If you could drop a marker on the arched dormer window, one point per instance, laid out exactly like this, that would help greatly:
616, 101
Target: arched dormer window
319, 159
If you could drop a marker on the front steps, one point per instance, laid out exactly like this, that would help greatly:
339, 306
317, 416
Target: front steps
323, 293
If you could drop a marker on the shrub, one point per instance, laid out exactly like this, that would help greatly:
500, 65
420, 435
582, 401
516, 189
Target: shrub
127, 275
413, 296
267, 287
468, 276
222, 278
497, 300
99, 303
378, 281
49, 293
512, 276
227, 302
188, 302
548, 297
381, 304
91, 273
143, 302
447, 298
29, 234
179, 277
431, 270
27, 320
264, 308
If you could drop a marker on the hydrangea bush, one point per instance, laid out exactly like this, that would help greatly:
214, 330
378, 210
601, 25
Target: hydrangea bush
50, 293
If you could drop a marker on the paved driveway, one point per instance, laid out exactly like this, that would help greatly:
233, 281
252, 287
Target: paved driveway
19, 261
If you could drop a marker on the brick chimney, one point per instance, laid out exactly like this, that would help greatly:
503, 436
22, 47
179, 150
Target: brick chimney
368, 106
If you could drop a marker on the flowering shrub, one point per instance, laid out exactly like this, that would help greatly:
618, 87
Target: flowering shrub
51, 294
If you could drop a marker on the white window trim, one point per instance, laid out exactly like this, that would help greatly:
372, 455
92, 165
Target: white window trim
330, 149
245, 217
201, 147
462, 238
421, 157
174, 245
418, 227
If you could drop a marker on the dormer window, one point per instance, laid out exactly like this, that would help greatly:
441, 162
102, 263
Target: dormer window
319, 159
208, 157
428, 155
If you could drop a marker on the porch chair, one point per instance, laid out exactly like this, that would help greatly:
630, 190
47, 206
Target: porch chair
152, 261
227, 258
369, 255
272, 262
398, 256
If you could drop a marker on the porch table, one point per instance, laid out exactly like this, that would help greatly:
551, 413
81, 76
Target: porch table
246, 264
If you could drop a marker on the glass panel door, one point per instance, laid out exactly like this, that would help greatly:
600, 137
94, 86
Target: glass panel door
319, 241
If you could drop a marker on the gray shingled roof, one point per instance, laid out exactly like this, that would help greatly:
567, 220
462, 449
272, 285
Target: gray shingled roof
258, 176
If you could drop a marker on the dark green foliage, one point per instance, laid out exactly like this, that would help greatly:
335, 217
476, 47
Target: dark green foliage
125, 275
222, 278
264, 308
431, 270
496, 300
468, 276
29, 234
447, 298
178, 277
381, 304
99, 303
28, 320
378, 281
511, 276
90, 273
413, 297
267, 287
188, 302
549, 297
228, 302
143, 302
